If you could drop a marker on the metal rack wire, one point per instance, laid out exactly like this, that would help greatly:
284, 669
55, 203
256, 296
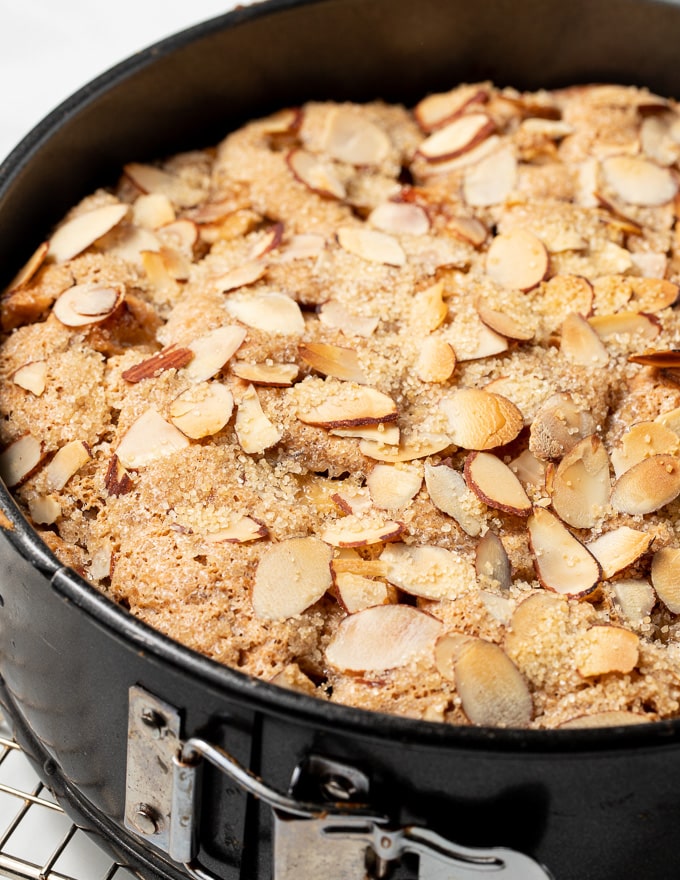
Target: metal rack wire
37, 840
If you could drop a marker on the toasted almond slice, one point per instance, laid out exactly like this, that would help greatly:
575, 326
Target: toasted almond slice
400, 218
528, 469
291, 576
581, 344
270, 312
448, 650
66, 463
532, 618
562, 563
44, 510
670, 419
150, 179
666, 577
318, 176
558, 426
269, 241
517, 259
371, 245
351, 405
481, 420
656, 140
612, 718
353, 499
384, 434
334, 314
492, 690
202, 410
426, 571
555, 129
564, 294
635, 597
638, 181
669, 359
155, 264
407, 450
619, 548
356, 592
353, 531
500, 608
457, 137
31, 266
495, 484
254, 430
152, 210
149, 438
625, 323
88, 303
449, 493
78, 234
306, 246
641, 441
348, 560
275, 375
180, 236
436, 360
393, 487
212, 351
429, 309
650, 265
117, 480
170, 358
647, 486
241, 276
32, 377
382, 637
242, 531
438, 109
503, 324
491, 181
492, 563
482, 344
286, 121
333, 360
653, 294
604, 649
350, 137
581, 484
20, 459
129, 243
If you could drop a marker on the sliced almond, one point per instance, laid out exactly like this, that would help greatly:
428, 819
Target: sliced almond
356, 592
500, 608
426, 571
291, 576
532, 618
152, 210
180, 235
562, 563
170, 358
241, 276
495, 484
269, 241
67, 461
202, 410
429, 309
483, 343
44, 510
400, 218
619, 548
492, 690
353, 499
333, 360
318, 176
564, 294
490, 181
436, 360
129, 243
32, 377
254, 430
438, 109
670, 419
481, 420
656, 140
612, 718
647, 486
88, 303
150, 179
635, 597
383, 637
270, 312
29, 269
355, 532
492, 563
447, 651
650, 265
274, 375
450, 494
638, 181
529, 470
669, 359
149, 438
242, 531
78, 234
666, 577
20, 459
468, 229
625, 324
384, 435
642, 441
348, 560
351, 405
407, 450
117, 480
503, 324
164, 283
394, 487
581, 484
558, 426
306, 246
212, 351
517, 260
457, 137
581, 344
555, 129
350, 137
371, 245
605, 649
653, 294
334, 314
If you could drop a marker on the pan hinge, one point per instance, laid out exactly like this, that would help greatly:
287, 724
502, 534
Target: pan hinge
337, 832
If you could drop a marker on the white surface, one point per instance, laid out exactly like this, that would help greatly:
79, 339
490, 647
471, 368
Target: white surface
50, 48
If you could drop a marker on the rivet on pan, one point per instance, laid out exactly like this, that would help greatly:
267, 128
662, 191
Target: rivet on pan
146, 820
154, 720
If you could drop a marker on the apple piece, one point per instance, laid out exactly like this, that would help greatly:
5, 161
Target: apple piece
291, 576
350, 137
356, 592
20, 459
436, 360
468, 229
625, 323
457, 137
647, 486
481, 420
241, 276
32, 377
638, 181
581, 344
88, 303
494, 483
270, 312
44, 510
450, 494
273, 375
354, 531
443, 107
409, 449
333, 360
149, 438
427, 571
371, 245
400, 218
212, 351
380, 638
491, 562
517, 260
334, 314
605, 649
490, 181
67, 461
351, 405
581, 485
619, 548
635, 597
202, 410
610, 718
563, 564
76, 235
241, 531
558, 426
503, 324
641, 441
666, 577
317, 175
393, 487
492, 690
254, 430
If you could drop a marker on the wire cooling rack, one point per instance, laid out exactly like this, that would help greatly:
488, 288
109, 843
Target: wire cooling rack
37, 840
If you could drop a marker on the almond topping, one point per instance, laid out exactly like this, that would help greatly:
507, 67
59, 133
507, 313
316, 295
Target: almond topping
241, 276
647, 486
408, 450
481, 420
426, 571
653, 294
638, 181
303, 247
32, 377
149, 438
254, 430
270, 312
117, 479
558, 426
334, 314
603, 649
612, 718
44, 510
275, 375
468, 229
355, 592
269, 241
670, 420
87, 303
562, 563
625, 323
394, 487
564, 294
656, 140
371, 245
20, 459
669, 360
642, 441
482, 344
457, 137
436, 360
580, 343
349, 137
529, 470
517, 260
333, 360
318, 176
353, 531
383, 637
504, 324
384, 434
429, 309
31, 266
67, 461
666, 577
353, 499
290, 577
619, 548
490, 181
400, 218
495, 484
152, 210
212, 351
202, 410
581, 484
449, 493
242, 531
499, 607
170, 358
78, 234
293, 678
150, 179
437, 109
635, 597
491, 688
351, 405
448, 650
491, 562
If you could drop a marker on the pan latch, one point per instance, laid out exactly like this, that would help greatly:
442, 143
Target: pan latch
335, 835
